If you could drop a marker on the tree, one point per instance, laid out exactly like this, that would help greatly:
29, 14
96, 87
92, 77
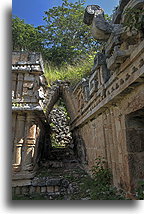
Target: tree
68, 39
63, 39
26, 36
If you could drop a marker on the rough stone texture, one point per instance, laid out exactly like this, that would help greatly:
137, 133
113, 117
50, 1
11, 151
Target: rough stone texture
27, 110
106, 110
100, 27
119, 11
110, 122
60, 128
44, 185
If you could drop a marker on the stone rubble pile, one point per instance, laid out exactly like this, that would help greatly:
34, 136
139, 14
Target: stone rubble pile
61, 135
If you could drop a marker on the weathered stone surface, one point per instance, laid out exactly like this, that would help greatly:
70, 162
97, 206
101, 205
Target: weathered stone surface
94, 15
106, 109
28, 116
53, 182
39, 181
60, 127
50, 189
102, 121
56, 188
32, 190
119, 11
17, 190
43, 189
38, 189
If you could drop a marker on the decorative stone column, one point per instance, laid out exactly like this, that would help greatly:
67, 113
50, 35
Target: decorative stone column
14, 78
19, 85
29, 143
18, 142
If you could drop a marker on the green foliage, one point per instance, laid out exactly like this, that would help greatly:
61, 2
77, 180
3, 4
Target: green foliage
72, 73
86, 187
100, 173
134, 19
35, 196
64, 41
68, 38
140, 190
98, 187
25, 36
101, 186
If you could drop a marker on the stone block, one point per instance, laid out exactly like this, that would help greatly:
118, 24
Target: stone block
25, 190
43, 189
99, 60
28, 77
50, 188
53, 182
18, 190
28, 85
39, 182
32, 189
20, 181
13, 190
30, 93
56, 188
38, 189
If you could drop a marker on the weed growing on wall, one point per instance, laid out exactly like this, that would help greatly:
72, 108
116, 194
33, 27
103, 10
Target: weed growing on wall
99, 185
102, 183
134, 19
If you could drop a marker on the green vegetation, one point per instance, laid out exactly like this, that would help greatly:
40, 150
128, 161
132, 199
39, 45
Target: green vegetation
68, 38
98, 186
72, 73
140, 190
63, 39
134, 19
35, 196
26, 36
85, 187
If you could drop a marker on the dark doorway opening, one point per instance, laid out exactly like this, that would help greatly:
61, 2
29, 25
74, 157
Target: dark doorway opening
135, 145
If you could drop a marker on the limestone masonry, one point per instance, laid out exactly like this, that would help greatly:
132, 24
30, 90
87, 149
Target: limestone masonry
106, 109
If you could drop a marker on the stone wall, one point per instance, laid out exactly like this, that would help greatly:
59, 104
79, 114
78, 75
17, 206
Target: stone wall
51, 187
106, 109
110, 104
60, 133
28, 119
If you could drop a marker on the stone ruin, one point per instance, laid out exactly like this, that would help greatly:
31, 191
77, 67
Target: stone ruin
60, 127
28, 118
106, 109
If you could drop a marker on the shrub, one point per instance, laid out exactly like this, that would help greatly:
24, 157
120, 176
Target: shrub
140, 190
102, 188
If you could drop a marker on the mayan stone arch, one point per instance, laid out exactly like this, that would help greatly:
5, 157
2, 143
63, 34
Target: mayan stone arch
62, 90
106, 109
32, 102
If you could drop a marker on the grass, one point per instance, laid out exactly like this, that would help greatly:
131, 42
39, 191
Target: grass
72, 73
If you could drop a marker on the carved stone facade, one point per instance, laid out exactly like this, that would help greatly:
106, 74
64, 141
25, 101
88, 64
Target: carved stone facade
28, 119
110, 115
106, 110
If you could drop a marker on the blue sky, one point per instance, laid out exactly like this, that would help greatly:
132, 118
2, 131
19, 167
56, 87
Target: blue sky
32, 11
